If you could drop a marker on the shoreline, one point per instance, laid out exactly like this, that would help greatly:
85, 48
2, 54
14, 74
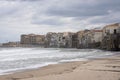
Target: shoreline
98, 69
69, 61
35, 68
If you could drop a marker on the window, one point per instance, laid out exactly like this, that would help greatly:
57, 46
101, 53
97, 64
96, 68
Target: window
115, 31
63, 38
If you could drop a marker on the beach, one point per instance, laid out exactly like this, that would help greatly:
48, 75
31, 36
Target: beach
60, 40
97, 69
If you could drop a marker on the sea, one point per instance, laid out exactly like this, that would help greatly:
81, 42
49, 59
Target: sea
17, 59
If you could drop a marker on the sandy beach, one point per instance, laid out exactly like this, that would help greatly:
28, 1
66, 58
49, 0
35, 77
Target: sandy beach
99, 69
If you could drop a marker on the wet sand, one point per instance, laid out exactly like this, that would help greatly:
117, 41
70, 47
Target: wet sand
99, 69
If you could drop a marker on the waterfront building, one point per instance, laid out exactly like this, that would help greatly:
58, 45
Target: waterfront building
111, 37
68, 39
74, 40
107, 38
110, 29
84, 39
51, 39
60, 40
11, 44
0, 44
32, 39
80, 35
96, 36
89, 38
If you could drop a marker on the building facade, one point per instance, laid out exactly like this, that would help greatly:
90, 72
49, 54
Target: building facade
32, 39
84, 38
110, 29
51, 39
68, 39
74, 40
11, 44
59, 40
111, 37
89, 38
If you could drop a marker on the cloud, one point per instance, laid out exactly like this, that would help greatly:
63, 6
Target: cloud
42, 16
47, 20
113, 17
22, 0
81, 8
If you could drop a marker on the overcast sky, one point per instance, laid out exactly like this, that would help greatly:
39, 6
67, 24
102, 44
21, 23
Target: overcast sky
41, 16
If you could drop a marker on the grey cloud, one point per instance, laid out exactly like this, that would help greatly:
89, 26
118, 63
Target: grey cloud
47, 22
5, 12
22, 0
42, 16
7, 9
93, 8
106, 20
113, 17
76, 13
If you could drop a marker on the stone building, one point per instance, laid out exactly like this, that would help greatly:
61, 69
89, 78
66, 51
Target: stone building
59, 40
32, 39
84, 39
74, 40
25, 39
111, 37
89, 38
68, 39
51, 39
11, 44
80, 35
110, 29
0, 44
96, 38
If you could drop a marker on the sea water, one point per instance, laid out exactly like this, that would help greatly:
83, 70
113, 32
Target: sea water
13, 59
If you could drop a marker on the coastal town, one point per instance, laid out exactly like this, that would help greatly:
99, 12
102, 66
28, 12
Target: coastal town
107, 38
60, 40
